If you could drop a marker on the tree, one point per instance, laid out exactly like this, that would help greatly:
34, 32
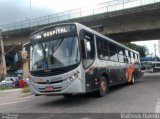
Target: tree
158, 58
143, 51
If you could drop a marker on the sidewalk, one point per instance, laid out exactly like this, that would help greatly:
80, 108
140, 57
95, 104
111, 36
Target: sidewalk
9, 95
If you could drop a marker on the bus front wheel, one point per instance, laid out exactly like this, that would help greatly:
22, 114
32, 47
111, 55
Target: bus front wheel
103, 87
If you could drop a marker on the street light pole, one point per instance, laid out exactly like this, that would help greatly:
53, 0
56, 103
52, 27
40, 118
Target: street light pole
30, 9
155, 50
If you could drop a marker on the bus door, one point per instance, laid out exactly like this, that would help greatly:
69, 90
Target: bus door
88, 57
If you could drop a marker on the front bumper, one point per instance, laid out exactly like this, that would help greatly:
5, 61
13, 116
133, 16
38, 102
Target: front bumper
76, 86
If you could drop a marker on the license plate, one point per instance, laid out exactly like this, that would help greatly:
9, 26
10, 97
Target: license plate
49, 88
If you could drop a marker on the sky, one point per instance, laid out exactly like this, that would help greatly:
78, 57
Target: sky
151, 45
17, 10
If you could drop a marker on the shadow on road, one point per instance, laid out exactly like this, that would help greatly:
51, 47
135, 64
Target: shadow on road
80, 99
69, 101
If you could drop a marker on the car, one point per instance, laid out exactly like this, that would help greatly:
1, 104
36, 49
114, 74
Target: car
8, 82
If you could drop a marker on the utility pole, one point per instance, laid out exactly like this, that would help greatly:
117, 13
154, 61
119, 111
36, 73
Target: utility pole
155, 50
159, 46
3, 61
30, 9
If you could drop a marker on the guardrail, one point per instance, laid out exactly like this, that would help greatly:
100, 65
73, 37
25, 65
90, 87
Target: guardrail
77, 13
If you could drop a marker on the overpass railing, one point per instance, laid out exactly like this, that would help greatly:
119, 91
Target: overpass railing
110, 6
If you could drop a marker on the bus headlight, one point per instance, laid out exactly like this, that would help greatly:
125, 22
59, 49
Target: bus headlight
72, 78
76, 74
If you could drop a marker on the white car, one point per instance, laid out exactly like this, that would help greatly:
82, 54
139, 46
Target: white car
8, 82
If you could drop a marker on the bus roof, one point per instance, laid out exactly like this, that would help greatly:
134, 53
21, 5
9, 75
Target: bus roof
105, 37
80, 26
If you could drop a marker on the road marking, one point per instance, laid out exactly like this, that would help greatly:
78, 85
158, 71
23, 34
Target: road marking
158, 106
5, 103
16, 100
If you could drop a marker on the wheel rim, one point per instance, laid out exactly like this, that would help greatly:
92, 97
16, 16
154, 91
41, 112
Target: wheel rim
103, 86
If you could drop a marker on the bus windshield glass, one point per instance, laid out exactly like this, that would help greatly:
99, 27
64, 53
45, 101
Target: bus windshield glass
56, 53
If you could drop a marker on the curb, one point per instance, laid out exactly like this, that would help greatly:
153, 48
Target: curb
10, 90
25, 94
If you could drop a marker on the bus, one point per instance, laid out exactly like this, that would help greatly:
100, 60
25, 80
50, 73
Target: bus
151, 66
70, 58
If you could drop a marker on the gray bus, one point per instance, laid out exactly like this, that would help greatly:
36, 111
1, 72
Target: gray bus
70, 58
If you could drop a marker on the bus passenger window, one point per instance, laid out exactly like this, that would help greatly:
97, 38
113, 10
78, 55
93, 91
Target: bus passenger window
102, 48
121, 55
113, 52
127, 53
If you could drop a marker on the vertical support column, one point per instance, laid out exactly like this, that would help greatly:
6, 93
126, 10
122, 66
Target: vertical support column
25, 59
101, 23
3, 70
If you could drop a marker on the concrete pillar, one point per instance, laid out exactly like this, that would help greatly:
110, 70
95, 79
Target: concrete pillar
3, 70
25, 61
25, 69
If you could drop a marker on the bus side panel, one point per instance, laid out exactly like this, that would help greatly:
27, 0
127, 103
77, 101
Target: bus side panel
114, 73
123, 73
90, 75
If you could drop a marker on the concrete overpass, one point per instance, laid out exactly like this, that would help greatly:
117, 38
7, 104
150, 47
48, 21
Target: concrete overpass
127, 20
130, 20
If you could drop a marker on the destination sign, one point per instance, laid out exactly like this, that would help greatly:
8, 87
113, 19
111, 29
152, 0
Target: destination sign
56, 31
48, 32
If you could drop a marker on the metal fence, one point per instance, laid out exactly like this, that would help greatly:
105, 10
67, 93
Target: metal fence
110, 6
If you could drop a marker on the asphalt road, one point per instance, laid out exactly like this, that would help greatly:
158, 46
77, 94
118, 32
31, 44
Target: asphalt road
142, 97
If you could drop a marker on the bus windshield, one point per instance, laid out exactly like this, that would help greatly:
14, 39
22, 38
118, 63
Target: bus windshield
57, 53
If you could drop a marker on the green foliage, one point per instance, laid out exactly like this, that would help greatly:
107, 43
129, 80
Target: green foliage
143, 51
157, 58
5, 88
25, 89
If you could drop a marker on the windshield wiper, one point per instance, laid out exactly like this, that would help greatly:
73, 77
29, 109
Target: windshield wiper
57, 44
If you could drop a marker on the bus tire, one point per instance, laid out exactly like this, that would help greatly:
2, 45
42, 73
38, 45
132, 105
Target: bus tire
103, 87
132, 81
